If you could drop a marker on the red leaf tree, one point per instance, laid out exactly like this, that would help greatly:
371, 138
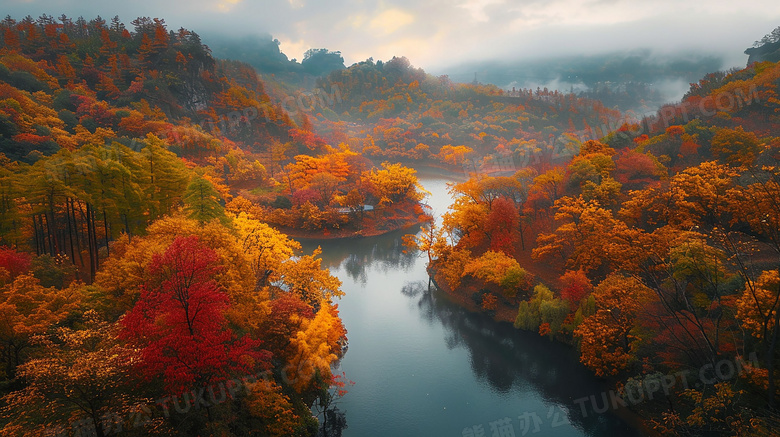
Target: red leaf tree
287, 316
575, 286
501, 225
179, 322
14, 263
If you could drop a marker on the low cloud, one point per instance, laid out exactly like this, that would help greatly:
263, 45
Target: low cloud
436, 34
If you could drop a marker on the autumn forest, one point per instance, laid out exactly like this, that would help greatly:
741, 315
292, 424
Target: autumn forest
154, 199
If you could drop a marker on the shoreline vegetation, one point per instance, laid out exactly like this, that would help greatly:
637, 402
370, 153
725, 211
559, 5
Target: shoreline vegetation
339, 195
404, 219
138, 180
507, 313
503, 312
654, 254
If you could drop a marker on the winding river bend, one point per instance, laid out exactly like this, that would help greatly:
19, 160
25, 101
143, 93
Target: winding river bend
423, 366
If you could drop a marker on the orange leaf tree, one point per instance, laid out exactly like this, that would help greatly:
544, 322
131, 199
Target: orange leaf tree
608, 338
27, 309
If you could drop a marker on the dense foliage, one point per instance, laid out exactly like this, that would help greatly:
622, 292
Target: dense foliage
146, 285
131, 298
392, 110
656, 253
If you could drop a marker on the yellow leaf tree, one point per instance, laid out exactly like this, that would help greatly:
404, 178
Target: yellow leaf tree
395, 182
315, 348
584, 230
265, 247
306, 278
498, 268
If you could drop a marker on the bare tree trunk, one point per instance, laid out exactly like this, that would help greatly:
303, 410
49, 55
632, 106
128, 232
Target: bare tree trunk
35, 236
49, 236
76, 231
91, 243
105, 230
70, 230
770, 363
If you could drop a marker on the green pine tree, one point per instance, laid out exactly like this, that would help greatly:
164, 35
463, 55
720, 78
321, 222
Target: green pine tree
202, 202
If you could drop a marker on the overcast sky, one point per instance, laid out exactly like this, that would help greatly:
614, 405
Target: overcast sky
437, 33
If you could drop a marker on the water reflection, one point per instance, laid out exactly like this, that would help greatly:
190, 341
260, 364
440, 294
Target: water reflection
505, 359
511, 360
383, 253
510, 366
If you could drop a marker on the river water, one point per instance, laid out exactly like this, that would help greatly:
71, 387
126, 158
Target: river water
423, 366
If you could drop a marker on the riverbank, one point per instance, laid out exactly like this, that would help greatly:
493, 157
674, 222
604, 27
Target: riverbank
504, 312
372, 224
423, 363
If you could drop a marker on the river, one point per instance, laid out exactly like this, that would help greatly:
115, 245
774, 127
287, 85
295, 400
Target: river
423, 366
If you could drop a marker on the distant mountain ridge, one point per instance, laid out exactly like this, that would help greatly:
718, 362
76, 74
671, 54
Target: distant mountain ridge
639, 79
766, 49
